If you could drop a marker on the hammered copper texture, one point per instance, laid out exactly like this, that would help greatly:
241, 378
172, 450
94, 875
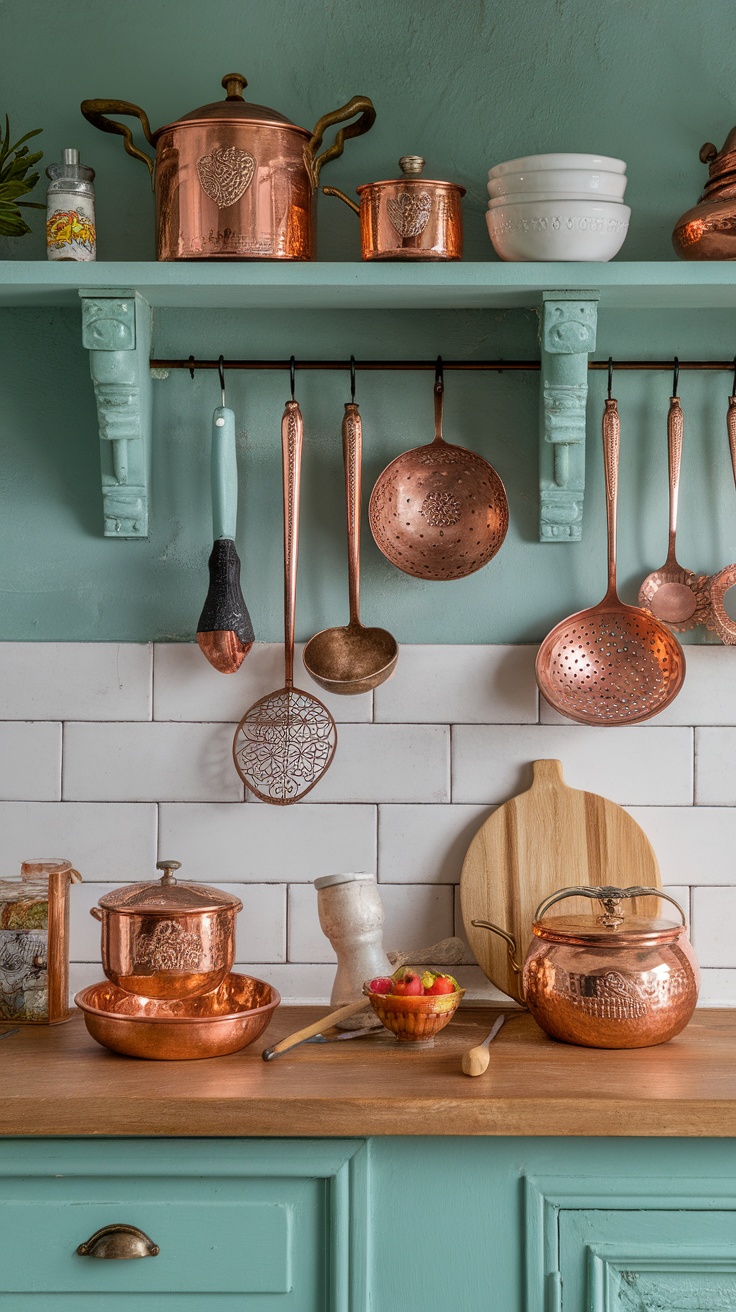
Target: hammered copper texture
211, 1026
415, 1019
439, 511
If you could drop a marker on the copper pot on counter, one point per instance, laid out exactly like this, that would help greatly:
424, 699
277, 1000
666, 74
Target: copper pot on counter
606, 981
165, 939
234, 181
408, 218
708, 230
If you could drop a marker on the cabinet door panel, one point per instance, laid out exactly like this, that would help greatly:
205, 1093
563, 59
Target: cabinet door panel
647, 1261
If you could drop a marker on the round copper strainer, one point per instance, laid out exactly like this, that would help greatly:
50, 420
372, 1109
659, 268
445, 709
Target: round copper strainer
613, 663
439, 511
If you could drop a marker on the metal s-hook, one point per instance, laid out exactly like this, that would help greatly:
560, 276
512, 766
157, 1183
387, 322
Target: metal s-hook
352, 379
292, 375
439, 376
610, 376
675, 377
221, 372
191, 367
733, 386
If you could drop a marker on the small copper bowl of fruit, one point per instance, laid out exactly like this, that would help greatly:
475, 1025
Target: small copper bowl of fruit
414, 1007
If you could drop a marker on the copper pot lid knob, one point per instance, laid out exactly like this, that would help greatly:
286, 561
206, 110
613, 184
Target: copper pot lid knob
411, 165
168, 867
234, 84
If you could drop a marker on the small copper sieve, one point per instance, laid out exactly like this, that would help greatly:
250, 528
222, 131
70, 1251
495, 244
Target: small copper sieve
612, 663
439, 511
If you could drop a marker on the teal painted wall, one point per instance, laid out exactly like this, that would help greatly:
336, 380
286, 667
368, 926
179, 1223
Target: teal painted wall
466, 84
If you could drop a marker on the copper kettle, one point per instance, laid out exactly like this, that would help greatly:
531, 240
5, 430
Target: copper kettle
234, 181
607, 981
708, 230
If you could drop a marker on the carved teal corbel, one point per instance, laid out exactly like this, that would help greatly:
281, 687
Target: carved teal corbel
567, 337
116, 330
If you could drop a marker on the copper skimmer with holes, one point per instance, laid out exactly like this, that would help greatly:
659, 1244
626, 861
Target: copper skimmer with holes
286, 741
613, 663
673, 594
439, 511
719, 620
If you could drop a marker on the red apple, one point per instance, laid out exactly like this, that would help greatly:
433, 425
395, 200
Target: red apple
383, 984
442, 984
409, 986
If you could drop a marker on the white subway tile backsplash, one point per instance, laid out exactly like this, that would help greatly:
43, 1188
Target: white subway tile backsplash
714, 920
103, 840
150, 762
715, 767
30, 761
708, 695
186, 687
75, 681
275, 844
75, 722
425, 844
636, 766
460, 685
388, 763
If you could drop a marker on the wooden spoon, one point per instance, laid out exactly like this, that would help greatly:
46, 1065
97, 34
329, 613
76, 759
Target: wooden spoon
475, 1060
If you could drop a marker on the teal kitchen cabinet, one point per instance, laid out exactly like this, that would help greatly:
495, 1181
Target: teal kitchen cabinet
240, 1225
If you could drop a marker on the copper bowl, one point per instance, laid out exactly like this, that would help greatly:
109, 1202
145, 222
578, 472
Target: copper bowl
226, 1020
415, 1019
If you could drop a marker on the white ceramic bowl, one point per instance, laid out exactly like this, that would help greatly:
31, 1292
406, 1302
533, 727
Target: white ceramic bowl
557, 161
561, 182
537, 197
564, 230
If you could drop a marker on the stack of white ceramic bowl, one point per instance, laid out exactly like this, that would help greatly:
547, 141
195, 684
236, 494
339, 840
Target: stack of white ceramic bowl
558, 207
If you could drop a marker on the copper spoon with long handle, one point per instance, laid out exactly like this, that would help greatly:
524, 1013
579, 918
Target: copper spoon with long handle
719, 621
475, 1060
675, 595
352, 659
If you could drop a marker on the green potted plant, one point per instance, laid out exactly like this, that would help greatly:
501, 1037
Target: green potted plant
16, 180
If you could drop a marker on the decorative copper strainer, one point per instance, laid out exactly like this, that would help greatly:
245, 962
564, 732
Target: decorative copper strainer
613, 663
439, 511
286, 741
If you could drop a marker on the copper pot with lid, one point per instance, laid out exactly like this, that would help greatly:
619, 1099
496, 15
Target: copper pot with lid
234, 180
164, 939
708, 230
408, 218
607, 981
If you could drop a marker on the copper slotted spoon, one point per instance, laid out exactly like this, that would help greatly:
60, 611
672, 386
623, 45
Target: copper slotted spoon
613, 663
286, 741
439, 511
673, 594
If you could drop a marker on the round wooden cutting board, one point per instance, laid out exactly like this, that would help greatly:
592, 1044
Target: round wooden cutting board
548, 838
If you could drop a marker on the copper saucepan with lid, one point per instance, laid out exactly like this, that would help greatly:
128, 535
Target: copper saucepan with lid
233, 180
168, 940
408, 218
607, 981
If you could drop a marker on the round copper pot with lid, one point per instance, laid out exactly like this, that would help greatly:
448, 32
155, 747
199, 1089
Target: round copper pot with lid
708, 230
233, 180
607, 981
165, 939
408, 218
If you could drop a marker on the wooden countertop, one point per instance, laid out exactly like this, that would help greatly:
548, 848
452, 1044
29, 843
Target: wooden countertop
58, 1081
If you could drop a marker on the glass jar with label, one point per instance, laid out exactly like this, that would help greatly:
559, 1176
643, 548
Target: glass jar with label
70, 210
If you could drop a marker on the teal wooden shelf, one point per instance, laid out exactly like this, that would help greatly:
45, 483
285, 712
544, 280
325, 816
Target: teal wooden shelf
117, 299
378, 286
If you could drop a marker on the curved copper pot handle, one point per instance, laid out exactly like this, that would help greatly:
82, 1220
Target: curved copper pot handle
95, 110
607, 894
358, 105
509, 938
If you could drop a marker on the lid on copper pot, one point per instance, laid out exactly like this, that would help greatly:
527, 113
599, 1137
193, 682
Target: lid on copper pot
234, 109
166, 896
411, 172
611, 927
721, 163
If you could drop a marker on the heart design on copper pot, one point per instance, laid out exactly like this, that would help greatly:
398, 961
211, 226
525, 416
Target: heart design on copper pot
409, 212
226, 174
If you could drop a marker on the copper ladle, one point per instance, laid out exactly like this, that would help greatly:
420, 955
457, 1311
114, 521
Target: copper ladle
439, 511
612, 663
673, 594
352, 659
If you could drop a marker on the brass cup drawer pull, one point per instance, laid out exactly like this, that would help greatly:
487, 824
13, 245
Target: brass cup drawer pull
119, 1241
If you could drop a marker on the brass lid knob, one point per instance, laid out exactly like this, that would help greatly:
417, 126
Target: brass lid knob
168, 868
234, 84
411, 165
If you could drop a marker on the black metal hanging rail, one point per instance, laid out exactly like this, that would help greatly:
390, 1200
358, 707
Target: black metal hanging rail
497, 366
